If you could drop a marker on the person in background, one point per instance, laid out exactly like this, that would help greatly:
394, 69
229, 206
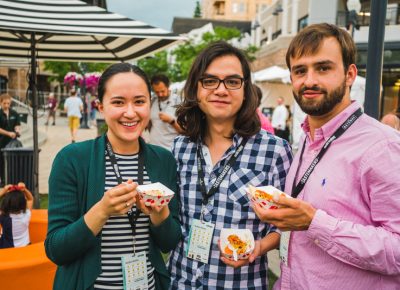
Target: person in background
52, 107
10, 128
344, 223
93, 109
85, 111
15, 214
73, 106
392, 120
265, 123
98, 227
279, 118
163, 128
222, 151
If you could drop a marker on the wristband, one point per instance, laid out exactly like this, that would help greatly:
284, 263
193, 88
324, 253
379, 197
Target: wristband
172, 122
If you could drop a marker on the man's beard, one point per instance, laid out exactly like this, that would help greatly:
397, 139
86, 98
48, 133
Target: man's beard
323, 106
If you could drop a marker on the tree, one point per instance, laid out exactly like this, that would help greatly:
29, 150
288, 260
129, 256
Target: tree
197, 10
156, 64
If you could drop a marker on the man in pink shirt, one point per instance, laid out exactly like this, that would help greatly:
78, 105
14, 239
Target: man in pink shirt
345, 221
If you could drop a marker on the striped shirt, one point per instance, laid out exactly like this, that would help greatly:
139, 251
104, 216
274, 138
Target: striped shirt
116, 236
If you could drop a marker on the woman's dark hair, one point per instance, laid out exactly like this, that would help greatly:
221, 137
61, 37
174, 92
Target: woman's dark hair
117, 68
192, 119
13, 202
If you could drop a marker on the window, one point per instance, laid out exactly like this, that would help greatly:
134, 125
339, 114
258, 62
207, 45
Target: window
242, 7
3, 84
235, 8
302, 22
239, 8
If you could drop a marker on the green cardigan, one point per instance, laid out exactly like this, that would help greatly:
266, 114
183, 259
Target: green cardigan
76, 183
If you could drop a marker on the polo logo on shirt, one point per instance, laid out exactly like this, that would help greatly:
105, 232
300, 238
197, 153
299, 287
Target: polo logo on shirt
323, 182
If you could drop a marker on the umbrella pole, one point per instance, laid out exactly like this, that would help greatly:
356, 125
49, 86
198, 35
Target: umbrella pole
35, 188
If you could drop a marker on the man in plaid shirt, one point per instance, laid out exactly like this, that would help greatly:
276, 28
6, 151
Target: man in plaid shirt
218, 116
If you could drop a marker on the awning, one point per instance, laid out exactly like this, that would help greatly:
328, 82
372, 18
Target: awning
75, 31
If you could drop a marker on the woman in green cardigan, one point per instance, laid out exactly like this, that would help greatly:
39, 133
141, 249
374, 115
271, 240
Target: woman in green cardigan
96, 234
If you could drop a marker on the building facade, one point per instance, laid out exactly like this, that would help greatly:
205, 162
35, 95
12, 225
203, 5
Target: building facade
241, 10
275, 26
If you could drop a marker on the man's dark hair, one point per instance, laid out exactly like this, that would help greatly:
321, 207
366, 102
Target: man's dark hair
160, 79
309, 40
13, 202
192, 119
117, 68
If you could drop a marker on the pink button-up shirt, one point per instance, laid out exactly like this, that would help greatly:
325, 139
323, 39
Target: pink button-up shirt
353, 241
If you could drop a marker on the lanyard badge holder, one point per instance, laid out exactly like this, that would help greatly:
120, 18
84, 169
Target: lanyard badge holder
296, 189
134, 266
201, 231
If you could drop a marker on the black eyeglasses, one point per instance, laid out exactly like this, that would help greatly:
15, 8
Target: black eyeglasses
230, 83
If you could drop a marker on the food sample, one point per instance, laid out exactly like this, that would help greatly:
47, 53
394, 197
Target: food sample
263, 196
237, 244
154, 192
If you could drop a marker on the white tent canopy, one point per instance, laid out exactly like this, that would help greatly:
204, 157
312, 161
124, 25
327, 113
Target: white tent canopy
271, 74
75, 31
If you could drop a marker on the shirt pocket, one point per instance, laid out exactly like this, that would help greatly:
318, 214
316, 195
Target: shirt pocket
239, 182
188, 179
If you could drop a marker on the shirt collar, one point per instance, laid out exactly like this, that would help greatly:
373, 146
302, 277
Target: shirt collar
329, 128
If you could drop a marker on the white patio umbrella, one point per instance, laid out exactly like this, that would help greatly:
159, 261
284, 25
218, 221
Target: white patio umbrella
72, 30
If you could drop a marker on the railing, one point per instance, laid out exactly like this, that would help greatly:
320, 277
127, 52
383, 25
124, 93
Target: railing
364, 17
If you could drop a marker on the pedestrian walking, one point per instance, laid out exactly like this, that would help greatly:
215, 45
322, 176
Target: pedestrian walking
73, 106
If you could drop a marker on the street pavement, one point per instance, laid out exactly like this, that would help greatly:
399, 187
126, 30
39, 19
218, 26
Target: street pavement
58, 136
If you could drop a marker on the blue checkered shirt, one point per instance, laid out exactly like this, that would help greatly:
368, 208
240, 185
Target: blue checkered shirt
265, 160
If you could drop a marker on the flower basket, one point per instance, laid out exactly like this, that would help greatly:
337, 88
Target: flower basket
91, 82
72, 79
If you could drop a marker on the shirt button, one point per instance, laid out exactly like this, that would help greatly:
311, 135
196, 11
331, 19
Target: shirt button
316, 241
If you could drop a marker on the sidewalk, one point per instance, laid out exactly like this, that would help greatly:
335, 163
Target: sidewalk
58, 136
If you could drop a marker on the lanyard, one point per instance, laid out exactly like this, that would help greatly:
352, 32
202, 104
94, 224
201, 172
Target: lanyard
296, 189
159, 105
109, 151
218, 181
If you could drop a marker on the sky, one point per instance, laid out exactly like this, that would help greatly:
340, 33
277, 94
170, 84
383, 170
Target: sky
158, 13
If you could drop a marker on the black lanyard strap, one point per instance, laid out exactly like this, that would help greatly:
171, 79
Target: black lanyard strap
296, 189
159, 105
221, 176
109, 151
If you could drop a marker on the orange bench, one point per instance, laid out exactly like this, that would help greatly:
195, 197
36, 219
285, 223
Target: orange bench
28, 267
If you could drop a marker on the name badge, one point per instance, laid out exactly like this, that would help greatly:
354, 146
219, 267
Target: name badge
284, 247
200, 237
134, 271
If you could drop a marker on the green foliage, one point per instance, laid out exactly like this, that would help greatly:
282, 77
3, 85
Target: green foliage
61, 68
197, 10
155, 65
